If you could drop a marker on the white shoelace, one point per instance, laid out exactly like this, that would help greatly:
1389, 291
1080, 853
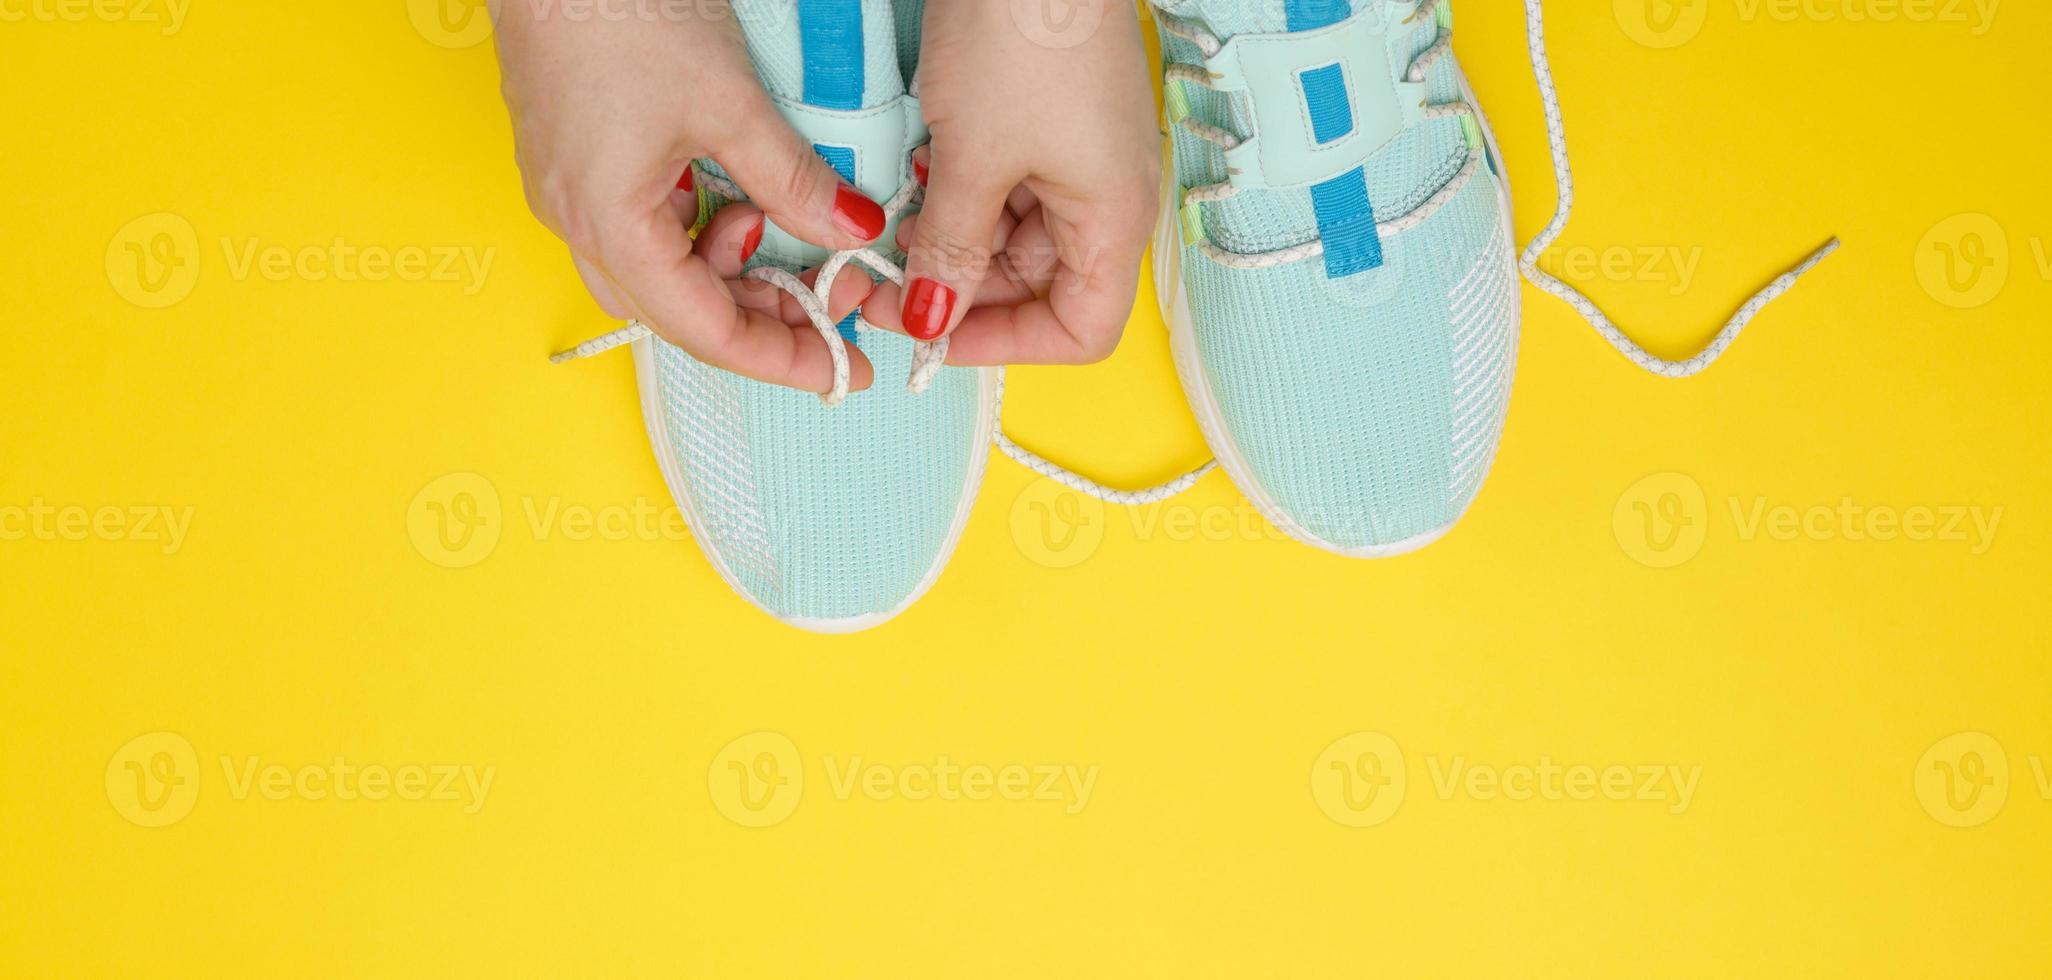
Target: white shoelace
1542, 71
1085, 485
1564, 178
1528, 263
927, 358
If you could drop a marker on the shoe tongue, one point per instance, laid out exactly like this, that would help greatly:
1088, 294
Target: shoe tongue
835, 54
1399, 176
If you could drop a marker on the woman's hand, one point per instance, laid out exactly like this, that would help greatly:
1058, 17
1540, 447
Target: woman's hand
1041, 184
608, 114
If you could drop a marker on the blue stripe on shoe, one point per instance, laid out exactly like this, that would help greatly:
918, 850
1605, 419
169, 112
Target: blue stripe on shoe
1325, 93
1310, 15
830, 31
1346, 218
1346, 224
841, 158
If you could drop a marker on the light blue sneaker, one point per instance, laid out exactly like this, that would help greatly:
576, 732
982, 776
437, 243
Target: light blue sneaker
830, 515
1335, 261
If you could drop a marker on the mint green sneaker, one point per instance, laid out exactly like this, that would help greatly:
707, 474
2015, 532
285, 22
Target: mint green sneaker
831, 515
1335, 261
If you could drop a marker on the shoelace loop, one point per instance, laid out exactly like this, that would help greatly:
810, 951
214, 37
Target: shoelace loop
927, 358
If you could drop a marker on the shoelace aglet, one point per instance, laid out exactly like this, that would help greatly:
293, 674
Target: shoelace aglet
633, 331
1822, 253
1787, 280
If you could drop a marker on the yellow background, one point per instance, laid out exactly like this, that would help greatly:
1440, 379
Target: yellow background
305, 421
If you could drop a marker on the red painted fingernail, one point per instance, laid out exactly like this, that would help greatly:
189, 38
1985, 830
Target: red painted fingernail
928, 305
753, 241
857, 215
686, 182
919, 171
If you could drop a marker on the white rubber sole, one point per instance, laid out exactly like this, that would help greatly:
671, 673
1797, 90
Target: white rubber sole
673, 470
1175, 314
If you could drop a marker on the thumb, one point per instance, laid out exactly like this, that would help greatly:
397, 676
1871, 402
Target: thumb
950, 248
796, 188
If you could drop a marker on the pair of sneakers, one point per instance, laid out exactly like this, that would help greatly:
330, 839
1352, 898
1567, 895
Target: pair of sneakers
1334, 262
